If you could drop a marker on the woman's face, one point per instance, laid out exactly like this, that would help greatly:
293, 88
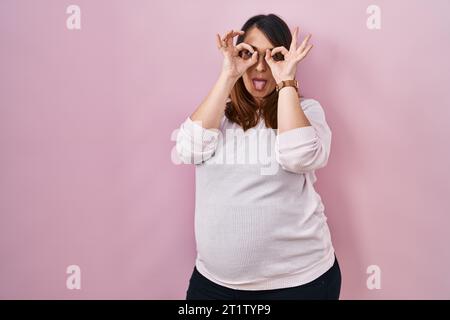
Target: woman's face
260, 70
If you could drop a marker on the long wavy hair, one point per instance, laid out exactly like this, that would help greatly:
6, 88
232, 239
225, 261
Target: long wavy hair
242, 107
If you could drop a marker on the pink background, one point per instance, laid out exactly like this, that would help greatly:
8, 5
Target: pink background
86, 124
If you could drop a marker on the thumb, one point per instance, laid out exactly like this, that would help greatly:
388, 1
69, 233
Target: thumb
268, 58
253, 59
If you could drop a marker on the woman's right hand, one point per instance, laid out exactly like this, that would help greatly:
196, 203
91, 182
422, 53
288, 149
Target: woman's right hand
234, 63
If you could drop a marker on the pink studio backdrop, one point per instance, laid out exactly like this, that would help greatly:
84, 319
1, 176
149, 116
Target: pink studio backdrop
86, 124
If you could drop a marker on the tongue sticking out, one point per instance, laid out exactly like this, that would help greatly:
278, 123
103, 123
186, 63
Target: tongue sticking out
259, 84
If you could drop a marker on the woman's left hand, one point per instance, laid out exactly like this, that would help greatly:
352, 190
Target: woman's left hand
286, 69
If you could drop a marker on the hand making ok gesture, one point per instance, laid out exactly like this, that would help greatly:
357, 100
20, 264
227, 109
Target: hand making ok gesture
286, 69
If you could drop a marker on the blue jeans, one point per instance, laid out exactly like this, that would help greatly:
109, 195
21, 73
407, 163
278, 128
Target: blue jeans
325, 287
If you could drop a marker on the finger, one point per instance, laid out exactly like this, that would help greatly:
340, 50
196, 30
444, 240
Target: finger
304, 43
222, 41
218, 41
268, 57
224, 38
243, 45
281, 49
234, 34
294, 40
228, 38
304, 53
253, 59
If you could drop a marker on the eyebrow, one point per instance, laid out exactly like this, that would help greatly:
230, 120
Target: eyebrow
258, 48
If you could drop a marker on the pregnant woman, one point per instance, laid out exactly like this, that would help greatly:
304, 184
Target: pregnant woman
260, 226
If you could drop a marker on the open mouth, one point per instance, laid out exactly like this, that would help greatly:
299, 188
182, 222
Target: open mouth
259, 84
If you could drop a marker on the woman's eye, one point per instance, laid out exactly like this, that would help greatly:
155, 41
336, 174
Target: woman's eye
278, 56
245, 54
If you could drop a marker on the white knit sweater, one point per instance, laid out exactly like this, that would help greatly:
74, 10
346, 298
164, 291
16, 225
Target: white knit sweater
259, 223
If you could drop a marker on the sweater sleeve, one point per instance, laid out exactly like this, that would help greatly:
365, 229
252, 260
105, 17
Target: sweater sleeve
196, 144
307, 148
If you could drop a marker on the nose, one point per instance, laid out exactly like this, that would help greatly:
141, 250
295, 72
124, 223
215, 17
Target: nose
261, 64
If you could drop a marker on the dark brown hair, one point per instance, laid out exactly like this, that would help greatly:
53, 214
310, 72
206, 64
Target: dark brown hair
243, 108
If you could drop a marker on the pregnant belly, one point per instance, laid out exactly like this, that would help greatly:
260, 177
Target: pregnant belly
238, 243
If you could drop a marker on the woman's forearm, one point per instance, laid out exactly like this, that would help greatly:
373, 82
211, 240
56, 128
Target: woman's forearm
211, 110
290, 113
